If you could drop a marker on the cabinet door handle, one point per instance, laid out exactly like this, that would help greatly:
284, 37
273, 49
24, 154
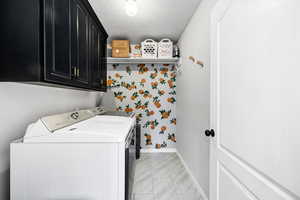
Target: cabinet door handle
78, 73
101, 82
74, 72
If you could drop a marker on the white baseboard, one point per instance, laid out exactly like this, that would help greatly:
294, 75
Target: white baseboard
163, 150
200, 189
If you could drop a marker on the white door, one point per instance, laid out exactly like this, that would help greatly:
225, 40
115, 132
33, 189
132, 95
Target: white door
255, 100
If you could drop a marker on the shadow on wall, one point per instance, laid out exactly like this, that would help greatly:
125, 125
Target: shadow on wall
108, 101
4, 184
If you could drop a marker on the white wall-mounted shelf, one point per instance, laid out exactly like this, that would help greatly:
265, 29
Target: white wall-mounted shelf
111, 60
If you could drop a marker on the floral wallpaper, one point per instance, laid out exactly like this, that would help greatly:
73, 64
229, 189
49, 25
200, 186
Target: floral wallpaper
150, 92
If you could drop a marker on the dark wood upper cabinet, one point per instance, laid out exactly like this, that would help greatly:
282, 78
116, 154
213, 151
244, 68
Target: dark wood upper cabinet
57, 34
103, 56
80, 23
53, 41
95, 56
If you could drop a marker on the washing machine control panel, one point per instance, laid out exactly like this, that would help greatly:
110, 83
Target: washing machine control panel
55, 122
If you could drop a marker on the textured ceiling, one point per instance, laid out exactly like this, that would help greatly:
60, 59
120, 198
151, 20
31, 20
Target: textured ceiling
155, 19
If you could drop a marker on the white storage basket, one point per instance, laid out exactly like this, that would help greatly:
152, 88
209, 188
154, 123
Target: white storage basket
149, 49
165, 48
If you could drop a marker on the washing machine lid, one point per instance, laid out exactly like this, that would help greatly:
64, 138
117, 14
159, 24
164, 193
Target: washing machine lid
94, 129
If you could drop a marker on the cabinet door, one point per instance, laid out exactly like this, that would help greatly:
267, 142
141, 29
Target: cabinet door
103, 52
57, 35
95, 56
80, 43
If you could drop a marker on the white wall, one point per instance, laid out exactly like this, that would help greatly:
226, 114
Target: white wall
193, 95
21, 104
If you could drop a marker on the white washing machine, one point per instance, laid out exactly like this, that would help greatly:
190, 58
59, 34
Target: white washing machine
78, 155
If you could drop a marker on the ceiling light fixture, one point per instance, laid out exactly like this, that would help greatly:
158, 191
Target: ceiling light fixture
131, 8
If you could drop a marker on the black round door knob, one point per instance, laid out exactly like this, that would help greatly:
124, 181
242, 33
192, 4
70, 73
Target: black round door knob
209, 133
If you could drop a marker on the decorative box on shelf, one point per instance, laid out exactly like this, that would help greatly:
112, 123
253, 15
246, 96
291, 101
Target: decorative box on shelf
135, 51
120, 48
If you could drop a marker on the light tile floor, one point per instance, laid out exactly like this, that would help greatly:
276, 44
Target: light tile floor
161, 176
